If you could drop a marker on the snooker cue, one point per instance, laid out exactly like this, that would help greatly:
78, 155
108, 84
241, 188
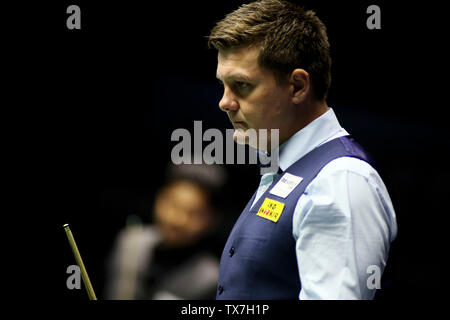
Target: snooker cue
76, 253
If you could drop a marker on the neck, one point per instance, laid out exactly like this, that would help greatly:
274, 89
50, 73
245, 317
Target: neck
304, 115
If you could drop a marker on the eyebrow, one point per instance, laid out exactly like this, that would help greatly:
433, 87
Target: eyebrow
235, 77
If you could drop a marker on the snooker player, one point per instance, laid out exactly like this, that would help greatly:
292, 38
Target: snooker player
315, 228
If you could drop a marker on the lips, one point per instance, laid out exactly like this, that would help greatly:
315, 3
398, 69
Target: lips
238, 123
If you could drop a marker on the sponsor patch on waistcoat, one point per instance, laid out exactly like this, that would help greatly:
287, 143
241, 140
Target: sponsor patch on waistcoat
270, 209
285, 185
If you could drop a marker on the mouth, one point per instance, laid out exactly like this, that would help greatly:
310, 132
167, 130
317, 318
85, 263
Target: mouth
238, 123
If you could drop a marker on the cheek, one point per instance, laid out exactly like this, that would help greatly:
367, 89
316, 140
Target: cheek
267, 109
197, 224
276, 103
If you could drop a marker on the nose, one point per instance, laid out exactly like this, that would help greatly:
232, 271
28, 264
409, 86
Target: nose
181, 220
228, 103
176, 216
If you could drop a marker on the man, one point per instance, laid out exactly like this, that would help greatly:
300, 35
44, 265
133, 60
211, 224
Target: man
323, 224
173, 258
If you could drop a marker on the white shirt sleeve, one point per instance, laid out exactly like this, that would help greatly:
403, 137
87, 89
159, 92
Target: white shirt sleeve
343, 226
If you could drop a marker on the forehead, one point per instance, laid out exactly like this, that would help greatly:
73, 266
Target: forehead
186, 192
241, 61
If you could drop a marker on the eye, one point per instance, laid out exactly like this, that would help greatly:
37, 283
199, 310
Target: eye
242, 85
241, 88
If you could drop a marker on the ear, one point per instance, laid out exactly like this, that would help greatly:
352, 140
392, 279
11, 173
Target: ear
300, 84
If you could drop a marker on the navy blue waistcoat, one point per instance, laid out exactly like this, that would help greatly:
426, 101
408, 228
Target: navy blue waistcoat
259, 259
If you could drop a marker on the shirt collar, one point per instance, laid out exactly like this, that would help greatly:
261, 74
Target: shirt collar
308, 138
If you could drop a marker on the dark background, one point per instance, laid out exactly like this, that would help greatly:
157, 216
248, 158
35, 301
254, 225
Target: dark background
96, 108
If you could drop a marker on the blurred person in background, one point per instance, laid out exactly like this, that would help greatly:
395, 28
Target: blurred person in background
173, 258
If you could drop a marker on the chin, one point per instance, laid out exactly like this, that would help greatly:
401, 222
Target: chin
248, 136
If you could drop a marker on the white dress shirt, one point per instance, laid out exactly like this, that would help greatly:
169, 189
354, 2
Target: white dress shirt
343, 223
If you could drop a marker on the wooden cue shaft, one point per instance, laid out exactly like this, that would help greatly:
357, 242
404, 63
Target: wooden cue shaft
76, 253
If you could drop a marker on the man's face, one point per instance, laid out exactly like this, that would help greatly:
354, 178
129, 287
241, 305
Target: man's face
183, 214
252, 98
